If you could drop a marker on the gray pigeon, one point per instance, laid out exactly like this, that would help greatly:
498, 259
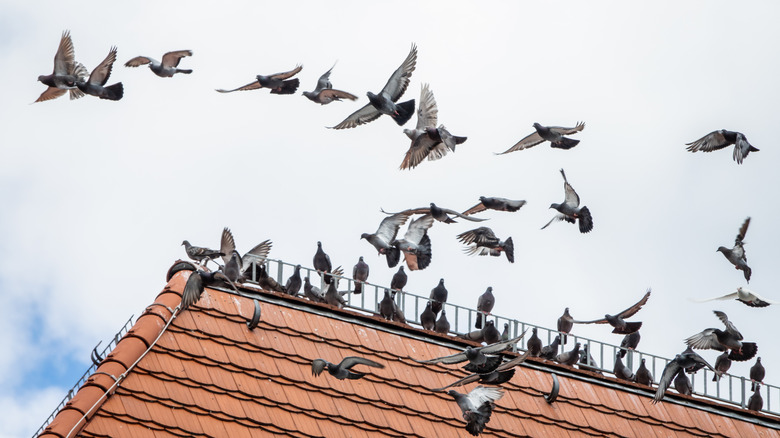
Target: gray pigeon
721, 340
399, 280
442, 325
587, 361
485, 305
428, 141
565, 323
311, 292
384, 102
748, 297
96, 84
385, 235
720, 139
428, 318
553, 134
477, 406
165, 69
66, 72
499, 204
683, 384
360, 275
196, 284
293, 285
621, 371
322, 263
267, 282
333, 297
278, 83
550, 351
398, 314
502, 374
570, 210
629, 342
438, 296
618, 320
722, 364
534, 344
482, 241
199, 254
490, 333
387, 306
344, 369
569, 357
757, 373
416, 245
687, 360
480, 356
439, 213
736, 255
756, 402
505, 333
643, 375
324, 92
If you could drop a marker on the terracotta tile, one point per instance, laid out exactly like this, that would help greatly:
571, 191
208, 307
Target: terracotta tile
136, 408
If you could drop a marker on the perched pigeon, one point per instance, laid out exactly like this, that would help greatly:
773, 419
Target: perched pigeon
385, 235
399, 280
505, 333
199, 254
384, 102
722, 364
428, 141
387, 306
534, 344
311, 292
398, 314
565, 323
476, 356
482, 241
267, 282
490, 333
621, 371
745, 296
293, 285
569, 357
736, 255
360, 275
477, 406
570, 210
416, 245
439, 213
587, 362
333, 297
643, 375
502, 374
756, 402
344, 369
442, 325
618, 320
757, 373
683, 384
553, 134
629, 342
550, 351
278, 83
428, 318
687, 360
485, 305
499, 204
66, 72
324, 92
438, 296
165, 69
95, 85
322, 263
720, 139
730, 339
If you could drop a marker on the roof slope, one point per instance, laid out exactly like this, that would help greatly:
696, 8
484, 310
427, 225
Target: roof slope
209, 375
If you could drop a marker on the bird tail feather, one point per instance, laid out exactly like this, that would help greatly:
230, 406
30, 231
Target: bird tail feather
186, 71
586, 220
405, 112
393, 256
288, 87
424, 253
509, 250
747, 352
114, 92
565, 143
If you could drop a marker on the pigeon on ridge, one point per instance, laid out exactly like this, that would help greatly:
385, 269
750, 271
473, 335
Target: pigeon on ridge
757, 373
722, 364
95, 85
565, 323
293, 285
416, 244
313, 293
720, 139
756, 402
499, 204
748, 297
398, 314
736, 255
490, 333
66, 72
550, 351
385, 235
324, 92
387, 306
485, 305
199, 253
683, 384
344, 369
505, 333
360, 275
569, 357
333, 297
553, 134
621, 371
643, 375
322, 263
730, 339
534, 344
687, 360
399, 280
587, 361
428, 318
442, 324
165, 69
438, 296
482, 241
618, 320
477, 406
570, 210
278, 83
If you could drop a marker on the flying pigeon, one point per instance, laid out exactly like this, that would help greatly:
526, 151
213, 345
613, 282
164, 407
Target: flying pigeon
438, 213
499, 204
384, 102
502, 374
534, 344
550, 351
477, 406
311, 292
196, 284
748, 297
242, 265
618, 320
324, 92
722, 364
322, 263
720, 139
755, 402
736, 255
621, 371
687, 360
360, 275
199, 254
569, 357
482, 241
428, 141
570, 211
416, 245
683, 384
485, 305
293, 285
565, 323
442, 325
385, 235
278, 83
344, 369
66, 72
757, 373
553, 134
399, 279
165, 69
480, 356
730, 339
95, 85
643, 375
428, 318
629, 342
438, 296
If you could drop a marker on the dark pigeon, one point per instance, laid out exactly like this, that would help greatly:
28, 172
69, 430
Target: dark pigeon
553, 134
482, 241
490, 333
267, 282
416, 245
324, 92
399, 280
500, 375
534, 344
629, 342
618, 320
278, 83
438, 296
344, 369
442, 325
722, 340
587, 362
385, 101
756, 402
757, 374
428, 318
67, 72
165, 69
311, 292
569, 357
687, 360
387, 306
477, 406
683, 384
720, 139
485, 305
745, 296
565, 323
643, 375
398, 314
570, 210
500, 204
384, 237
333, 297
293, 285
477, 356
621, 371
736, 255
360, 275
722, 364
322, 263
439, 213
550, 351
96, 84
196, 285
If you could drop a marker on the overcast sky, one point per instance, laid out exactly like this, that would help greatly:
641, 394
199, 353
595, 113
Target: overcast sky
97, 195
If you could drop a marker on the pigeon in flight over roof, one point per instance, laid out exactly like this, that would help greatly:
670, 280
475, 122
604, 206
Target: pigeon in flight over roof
745, 296
165, 69
322, 263
553, 134
360, 274
66, 72
324, 92
720, 139
197, 282
687, 360
722, 340
385, 235
502, 374
480, 356
255, 256
385, 101
618, 320
485, 304
477, 406
428, 141
416, 245
736, 255
95, 85
757, 373
344, 369
278, 83
570, 210
482, 241
500, 204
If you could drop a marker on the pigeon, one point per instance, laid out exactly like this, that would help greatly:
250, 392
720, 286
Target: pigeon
442, 325
485, 305
385, 235
477, 406
505, 333
570, 210
387, 306
196, 284
722, 364
629, 342
344, 369
293, 285
199, 254
333, 297
621, 371
428, 318
643, 375
565, 323
278, 83
569, 357
720, 139
438, 296
243, 265
165, 69
482, 241
439, 213
311, 292
587, 362
399, 280
757, 373
683, 384
428, 141
66, 72
95, 85
384, 102
490, 333
499, 204
360, 275
755, 402
748, 297
730, 339
502, 374
477, 356
416, 245
617, 321
553, 134
736, 255
322, 263
534, 344
687, 360
324, 92
398, 314
550, 351
266, 282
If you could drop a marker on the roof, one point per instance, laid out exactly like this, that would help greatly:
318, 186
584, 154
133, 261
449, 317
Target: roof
209, 374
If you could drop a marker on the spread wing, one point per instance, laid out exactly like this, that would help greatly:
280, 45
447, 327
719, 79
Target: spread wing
731, 328
742, 231
252, 86
705, 340
427, 112
350, 361
389, 226
362, 116
480, 236
65, 58
559, 217
337, 94
529, 141
571, 196
101, 73
475, 209
670, 370
323, 83
399, 80
417, 228
421, 147
710, 142
50, 93
730, 296
453, 358
138, 60
226, 244
566, 131
635, 308
288, 74
171, 59
258, 254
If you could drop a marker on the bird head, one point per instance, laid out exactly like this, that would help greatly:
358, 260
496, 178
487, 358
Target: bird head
537, 126
373, 98
722, 249
185, 243
554, 205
